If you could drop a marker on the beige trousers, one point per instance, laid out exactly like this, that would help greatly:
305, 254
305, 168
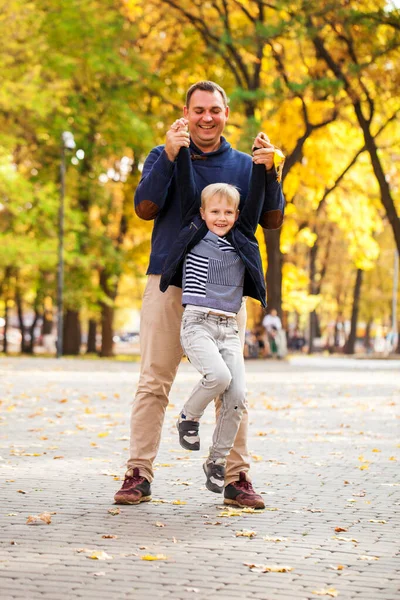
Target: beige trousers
161, 353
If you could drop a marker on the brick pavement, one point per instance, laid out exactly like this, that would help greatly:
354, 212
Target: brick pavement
324, 437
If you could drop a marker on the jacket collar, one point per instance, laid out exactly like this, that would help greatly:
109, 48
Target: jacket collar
197, 154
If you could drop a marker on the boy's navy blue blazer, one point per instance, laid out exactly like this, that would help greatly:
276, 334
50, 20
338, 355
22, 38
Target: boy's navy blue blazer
241, 236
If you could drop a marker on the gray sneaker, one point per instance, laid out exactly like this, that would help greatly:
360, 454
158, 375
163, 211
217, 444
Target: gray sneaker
215, 473
188, 434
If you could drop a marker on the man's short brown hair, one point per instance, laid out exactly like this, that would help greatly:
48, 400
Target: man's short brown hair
206, 86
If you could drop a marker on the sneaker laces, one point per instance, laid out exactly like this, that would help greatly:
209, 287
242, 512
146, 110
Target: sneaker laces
243, 484
131, 479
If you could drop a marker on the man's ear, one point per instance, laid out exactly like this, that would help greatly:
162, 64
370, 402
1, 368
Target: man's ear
185, 112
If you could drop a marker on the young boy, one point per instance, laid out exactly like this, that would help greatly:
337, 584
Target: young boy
216, 261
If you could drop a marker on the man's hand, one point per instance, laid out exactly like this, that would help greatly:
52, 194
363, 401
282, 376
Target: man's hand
265, 153
177, 137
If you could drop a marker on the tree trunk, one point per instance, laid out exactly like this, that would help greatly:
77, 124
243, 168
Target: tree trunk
274, 271
398, 338
4, 291
20, 312
71, 333
31, 342
312, 291
350, 344
384, 187
6, 321
367, 338
107, 318
107, 314
47, 327
91, 341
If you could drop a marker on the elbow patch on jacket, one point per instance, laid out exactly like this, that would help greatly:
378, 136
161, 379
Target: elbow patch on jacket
272, 219
146, 210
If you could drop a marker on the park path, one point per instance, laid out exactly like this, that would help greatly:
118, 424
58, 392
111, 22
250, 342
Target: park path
324, 440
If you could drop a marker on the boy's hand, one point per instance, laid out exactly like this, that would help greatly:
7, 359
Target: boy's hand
263, 151
177, 137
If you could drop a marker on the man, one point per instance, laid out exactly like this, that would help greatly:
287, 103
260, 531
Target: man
204, 117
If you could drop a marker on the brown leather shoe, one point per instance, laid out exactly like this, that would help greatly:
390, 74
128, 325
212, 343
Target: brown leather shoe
135, 489
241, 493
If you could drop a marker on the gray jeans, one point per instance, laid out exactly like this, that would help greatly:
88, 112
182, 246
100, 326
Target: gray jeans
213, 346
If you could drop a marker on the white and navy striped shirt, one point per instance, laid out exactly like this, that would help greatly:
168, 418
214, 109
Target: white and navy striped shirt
213, 275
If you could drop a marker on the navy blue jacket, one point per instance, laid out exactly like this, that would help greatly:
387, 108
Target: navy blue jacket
157, 196
241, 236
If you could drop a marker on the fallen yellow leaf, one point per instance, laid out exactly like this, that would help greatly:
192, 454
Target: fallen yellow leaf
246, 533
114, 511
366, 557
179, 502
268, 568
256, 457
99, 555
154, 557
377, 521
327, 592
231, 512
39, 519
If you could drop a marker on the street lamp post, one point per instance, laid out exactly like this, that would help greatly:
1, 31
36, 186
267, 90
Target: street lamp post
67, 143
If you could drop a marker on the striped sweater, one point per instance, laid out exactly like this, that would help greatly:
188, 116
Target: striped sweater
213, 275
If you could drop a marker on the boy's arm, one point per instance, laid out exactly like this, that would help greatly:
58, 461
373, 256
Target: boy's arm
188, 192
250, 214
264, 152
274, 202
152, 191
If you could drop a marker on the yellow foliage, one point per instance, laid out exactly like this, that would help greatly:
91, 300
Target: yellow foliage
306, 236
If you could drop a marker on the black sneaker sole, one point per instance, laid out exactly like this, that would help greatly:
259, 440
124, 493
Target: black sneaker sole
212, 487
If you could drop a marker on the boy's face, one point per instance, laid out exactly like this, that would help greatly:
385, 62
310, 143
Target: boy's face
219, 214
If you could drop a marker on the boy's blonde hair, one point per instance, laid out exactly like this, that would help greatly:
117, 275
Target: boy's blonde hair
221, 189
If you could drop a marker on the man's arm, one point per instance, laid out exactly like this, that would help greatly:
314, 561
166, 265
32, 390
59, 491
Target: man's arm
158, 172
152, 191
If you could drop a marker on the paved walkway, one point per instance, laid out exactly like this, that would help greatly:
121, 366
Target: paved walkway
325, 445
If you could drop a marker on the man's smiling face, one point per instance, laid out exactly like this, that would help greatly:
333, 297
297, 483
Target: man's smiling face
207, 115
